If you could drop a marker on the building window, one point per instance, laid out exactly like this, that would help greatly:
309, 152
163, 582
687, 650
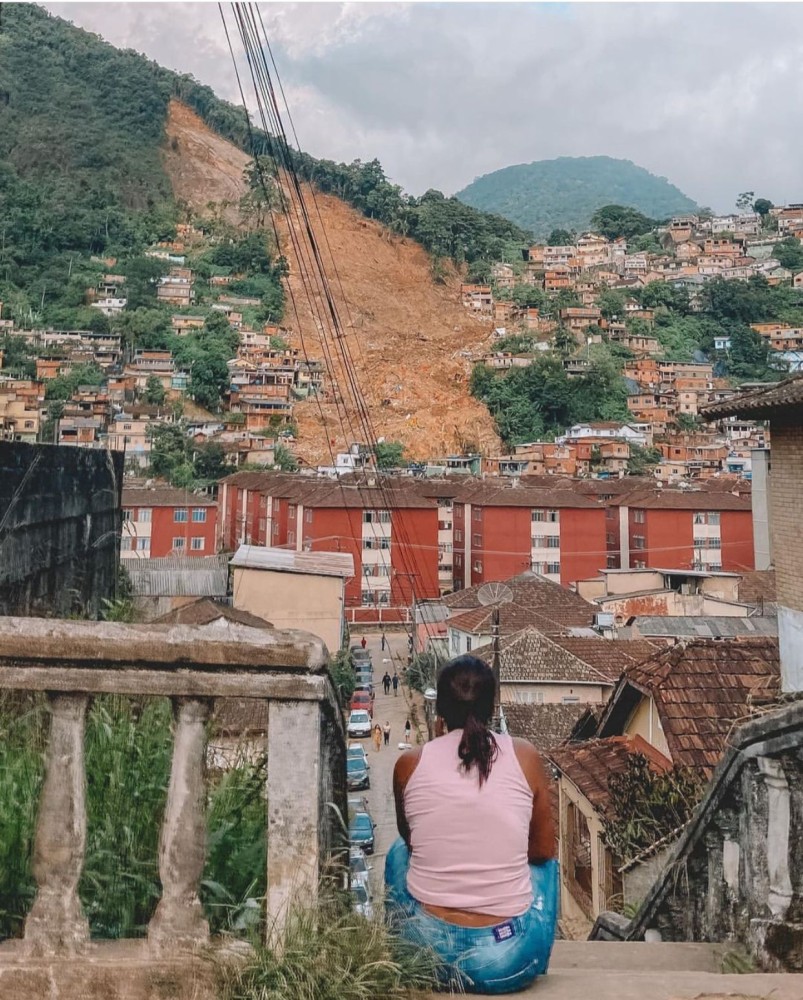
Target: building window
538, 541
570, 699
291, 511
383, 597
553, 541
713, 517
308, 515
468, 643
197, 544
126, 543
553, 567
699, 518
178, 543
444, 525
199, 515
715, 543
180, 515
291, 537
553, 516
367, 597
368, 516
478, 566
384, 543
638, 541
128, 515
368, 543
477, 514
455, 643
144, 515
638, 516
384, 517
539, 515
458, 535
476, 540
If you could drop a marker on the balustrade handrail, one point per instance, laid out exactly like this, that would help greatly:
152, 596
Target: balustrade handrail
193, 665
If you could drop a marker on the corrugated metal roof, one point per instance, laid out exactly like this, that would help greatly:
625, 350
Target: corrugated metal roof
431, 614
710, 627
288, 561
179, 576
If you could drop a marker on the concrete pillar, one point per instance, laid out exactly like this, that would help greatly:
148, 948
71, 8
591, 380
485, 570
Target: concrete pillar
624, 537
179, 916
778, 814
467, 545
760, 459
56, 921
294, 809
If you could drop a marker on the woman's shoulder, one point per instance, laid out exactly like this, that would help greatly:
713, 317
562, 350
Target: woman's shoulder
406, 763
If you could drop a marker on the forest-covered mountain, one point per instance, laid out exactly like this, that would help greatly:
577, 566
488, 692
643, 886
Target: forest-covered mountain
82, 125
566, 192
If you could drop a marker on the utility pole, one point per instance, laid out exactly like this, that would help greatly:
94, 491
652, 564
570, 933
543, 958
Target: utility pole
497, 716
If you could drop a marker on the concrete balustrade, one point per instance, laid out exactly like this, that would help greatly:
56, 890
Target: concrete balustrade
194, 666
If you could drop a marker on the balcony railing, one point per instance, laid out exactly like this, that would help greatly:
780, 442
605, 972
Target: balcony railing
194, 666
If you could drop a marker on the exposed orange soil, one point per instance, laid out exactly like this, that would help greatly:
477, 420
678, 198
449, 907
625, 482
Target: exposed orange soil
404, 332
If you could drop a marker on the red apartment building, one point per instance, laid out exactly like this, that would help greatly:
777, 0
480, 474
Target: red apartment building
671, 529
163, 521
391, 533
501, 531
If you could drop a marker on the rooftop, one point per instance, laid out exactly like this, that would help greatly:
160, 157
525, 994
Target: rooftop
767, 401
288, 561
708, 627
164, 496
545, 726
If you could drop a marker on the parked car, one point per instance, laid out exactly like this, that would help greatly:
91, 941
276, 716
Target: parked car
360, 656
358, 750
364, 674
365, 686
357, 776
358, 804
362, 901
359, 723
361, 831
359, 868
361, 700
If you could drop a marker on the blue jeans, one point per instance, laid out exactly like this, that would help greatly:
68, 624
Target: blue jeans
491, 960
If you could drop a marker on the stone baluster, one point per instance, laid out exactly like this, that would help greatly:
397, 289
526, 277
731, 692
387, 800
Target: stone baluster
179, 918
294, 810
778, 814
56, 922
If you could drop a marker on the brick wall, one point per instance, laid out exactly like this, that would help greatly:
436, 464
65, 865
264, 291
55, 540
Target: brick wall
786, 538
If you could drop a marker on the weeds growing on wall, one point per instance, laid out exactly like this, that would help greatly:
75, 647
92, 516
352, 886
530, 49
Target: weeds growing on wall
128, 751
330, 953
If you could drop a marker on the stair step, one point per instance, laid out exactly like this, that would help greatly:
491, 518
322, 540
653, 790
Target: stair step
574, 984
638, 956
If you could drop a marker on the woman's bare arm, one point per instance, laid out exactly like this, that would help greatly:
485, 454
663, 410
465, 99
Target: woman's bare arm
542, 823
402, 772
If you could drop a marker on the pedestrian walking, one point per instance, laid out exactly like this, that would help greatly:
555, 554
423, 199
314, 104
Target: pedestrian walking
386, 682
407, 731
384, 642
386, 733
377, 737
363, 642
395, 684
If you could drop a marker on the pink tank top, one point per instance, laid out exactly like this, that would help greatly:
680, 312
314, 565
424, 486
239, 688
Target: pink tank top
469, 844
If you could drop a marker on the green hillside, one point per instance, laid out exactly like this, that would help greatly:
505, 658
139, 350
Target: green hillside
564, 193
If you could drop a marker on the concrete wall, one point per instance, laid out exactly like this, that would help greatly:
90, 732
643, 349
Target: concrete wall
646, 723
544, 692
60, 522
761, 521
293, 600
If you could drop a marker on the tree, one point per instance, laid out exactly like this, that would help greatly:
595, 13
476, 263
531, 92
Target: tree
64, 386
560, 238
611, 303
615, 221
154, 391
642, 460
745, 200
762, 206
389, 454
284, 459
169, 449
210, 462
789, 253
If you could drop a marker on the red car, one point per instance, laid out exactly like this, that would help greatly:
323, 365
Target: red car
362, 701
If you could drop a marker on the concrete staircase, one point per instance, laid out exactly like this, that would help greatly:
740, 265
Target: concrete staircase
634, 970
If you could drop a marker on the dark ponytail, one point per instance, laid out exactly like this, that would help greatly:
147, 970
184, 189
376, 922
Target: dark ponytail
466, 701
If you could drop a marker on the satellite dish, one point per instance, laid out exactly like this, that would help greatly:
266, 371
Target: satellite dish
494, 593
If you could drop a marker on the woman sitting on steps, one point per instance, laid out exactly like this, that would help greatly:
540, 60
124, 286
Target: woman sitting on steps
473, 874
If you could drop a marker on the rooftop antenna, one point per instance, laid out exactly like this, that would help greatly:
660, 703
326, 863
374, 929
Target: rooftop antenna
495, 594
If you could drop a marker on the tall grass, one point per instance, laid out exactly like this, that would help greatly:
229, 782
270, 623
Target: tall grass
330, 953
128, 754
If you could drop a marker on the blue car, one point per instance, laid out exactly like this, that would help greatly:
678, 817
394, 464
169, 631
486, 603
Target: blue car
361, 832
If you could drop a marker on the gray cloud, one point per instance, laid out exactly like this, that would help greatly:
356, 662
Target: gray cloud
704, 94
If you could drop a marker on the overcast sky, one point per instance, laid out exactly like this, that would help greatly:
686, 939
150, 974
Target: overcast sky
707, 95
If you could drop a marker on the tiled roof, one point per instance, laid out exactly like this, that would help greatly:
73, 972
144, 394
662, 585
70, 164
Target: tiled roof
683, 500
164, 496
702, 687
758, 586
763, 402
545, 726
588, 765
515, 616
538, 601
529, 655
609, 656
205, 610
